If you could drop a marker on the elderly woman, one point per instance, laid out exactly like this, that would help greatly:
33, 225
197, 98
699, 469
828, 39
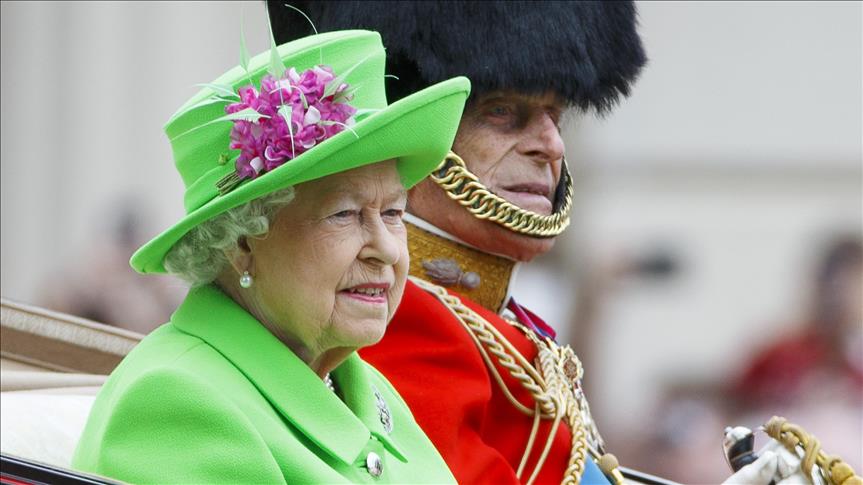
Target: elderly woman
294, 245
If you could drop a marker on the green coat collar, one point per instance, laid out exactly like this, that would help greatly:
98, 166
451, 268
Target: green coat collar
340, 428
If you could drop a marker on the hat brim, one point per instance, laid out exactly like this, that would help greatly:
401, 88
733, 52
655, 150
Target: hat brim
416, 131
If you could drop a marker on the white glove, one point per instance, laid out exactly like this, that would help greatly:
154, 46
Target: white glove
775, 463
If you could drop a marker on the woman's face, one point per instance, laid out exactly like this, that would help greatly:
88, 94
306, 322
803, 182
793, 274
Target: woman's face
331, 271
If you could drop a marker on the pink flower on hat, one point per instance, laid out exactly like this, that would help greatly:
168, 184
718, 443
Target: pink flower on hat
299, 111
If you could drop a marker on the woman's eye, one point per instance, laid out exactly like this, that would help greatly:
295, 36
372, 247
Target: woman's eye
394, 213
345, 214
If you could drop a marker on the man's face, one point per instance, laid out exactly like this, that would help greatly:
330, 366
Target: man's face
512, 142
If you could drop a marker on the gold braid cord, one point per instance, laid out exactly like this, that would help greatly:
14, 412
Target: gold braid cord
836, 471
551, 393
466, 189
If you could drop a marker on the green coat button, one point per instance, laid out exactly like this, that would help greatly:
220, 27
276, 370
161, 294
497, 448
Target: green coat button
374, 464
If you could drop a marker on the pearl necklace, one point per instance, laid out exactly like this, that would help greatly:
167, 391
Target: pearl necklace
329, 382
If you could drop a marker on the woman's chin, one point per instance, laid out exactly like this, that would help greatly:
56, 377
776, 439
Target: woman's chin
361, 332
365, 334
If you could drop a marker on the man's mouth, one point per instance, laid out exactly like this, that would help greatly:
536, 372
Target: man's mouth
534, 197
536, 189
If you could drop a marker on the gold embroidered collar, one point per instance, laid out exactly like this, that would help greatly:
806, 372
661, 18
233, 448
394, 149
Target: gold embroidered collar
441, 259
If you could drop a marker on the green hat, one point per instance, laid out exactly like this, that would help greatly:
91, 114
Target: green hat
218, 170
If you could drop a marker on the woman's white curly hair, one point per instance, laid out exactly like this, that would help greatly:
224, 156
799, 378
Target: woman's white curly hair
199, 257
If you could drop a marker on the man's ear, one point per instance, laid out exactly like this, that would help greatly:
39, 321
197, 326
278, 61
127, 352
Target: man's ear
240, 257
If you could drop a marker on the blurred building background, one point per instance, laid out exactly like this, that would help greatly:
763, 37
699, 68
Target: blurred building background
705, 202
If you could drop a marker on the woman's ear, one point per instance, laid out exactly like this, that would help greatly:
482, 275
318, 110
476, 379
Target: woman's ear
240, 257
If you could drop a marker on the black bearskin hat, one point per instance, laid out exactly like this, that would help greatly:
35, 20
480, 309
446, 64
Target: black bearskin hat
587, 52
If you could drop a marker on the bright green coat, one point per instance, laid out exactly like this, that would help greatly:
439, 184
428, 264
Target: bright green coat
212, 397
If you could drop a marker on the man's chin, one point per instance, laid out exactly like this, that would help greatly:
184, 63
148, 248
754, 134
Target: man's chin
493, 238
428, 202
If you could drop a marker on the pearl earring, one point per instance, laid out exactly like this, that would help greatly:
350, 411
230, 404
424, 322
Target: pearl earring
246, 280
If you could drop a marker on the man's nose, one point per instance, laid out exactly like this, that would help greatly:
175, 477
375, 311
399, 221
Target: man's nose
542, 140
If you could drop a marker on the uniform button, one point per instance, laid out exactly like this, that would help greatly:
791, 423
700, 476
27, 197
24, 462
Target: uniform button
374, 464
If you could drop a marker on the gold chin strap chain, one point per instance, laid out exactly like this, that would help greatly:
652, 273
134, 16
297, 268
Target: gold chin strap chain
466, 189
836, 471
553, 394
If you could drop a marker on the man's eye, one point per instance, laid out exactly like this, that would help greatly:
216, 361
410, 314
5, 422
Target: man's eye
500, 111
556, 116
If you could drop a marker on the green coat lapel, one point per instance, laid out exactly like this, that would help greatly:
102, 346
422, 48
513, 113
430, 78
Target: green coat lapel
340, 428
359, 396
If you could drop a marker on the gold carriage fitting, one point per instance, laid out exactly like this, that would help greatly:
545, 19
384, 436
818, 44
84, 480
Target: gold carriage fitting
832, 469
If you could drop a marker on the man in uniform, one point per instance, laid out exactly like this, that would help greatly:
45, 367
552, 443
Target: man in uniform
483, 376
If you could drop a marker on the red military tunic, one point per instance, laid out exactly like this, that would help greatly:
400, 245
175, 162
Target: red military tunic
436, 366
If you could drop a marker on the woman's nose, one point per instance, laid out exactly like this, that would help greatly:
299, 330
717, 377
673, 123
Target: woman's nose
381, 244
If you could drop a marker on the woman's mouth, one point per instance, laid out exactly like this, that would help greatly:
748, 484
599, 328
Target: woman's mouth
368, 292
